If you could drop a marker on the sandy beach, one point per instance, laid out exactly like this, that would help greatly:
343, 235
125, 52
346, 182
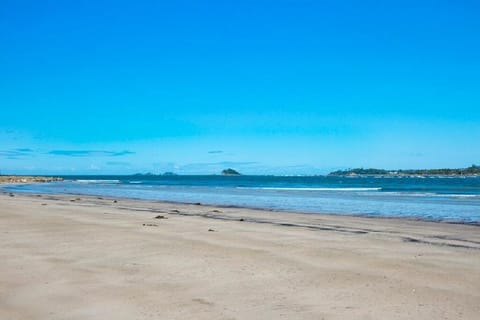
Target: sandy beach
78, 257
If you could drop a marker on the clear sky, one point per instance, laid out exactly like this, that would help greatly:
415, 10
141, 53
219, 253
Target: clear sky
284, 87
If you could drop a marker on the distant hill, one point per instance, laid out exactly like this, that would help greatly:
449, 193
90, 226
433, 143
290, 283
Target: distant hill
474, 170
358, 171
230, 172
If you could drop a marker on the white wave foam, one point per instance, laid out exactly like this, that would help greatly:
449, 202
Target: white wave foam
97, 181
431, 194
311, 189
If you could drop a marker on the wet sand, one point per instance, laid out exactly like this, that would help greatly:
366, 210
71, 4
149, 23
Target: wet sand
78, 257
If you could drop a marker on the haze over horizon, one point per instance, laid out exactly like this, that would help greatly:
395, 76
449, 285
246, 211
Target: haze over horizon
264, 87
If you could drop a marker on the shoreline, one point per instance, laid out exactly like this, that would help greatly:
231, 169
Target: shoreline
14, 179
118, 258
280, 211
252, 214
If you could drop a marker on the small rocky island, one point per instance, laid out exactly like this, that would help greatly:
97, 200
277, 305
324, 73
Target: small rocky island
28, 179
230, 172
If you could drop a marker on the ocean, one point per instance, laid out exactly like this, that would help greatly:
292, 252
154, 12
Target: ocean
452, 199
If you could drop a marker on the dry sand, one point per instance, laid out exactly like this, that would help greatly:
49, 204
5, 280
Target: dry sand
77, 257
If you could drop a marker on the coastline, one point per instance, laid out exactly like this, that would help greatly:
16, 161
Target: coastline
246, 207
14, 179
110, 257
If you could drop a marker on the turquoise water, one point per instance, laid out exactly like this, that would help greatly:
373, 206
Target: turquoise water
429, 198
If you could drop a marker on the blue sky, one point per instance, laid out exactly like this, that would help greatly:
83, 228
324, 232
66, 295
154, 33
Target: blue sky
283, 87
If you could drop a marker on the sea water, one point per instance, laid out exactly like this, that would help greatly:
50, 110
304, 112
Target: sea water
453, 199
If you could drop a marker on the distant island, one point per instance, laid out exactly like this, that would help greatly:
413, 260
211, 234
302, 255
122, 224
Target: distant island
230, 172
149, 174
474, 170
